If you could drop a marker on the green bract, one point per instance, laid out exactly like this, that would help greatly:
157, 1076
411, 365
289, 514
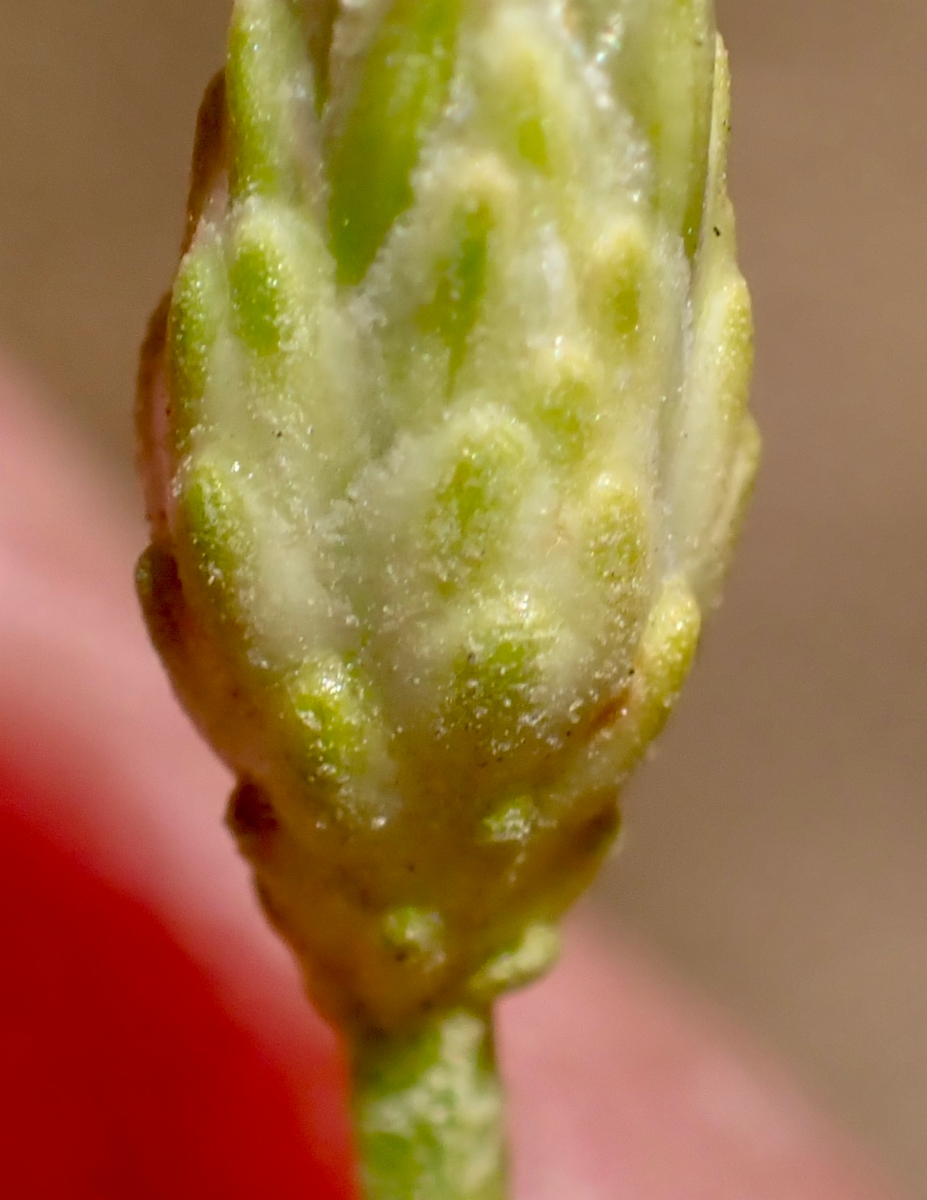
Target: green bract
445, 439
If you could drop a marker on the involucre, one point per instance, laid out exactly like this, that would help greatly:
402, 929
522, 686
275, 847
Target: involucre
445, 440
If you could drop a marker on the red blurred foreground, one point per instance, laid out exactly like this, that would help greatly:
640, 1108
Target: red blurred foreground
122, 1074
153, 1038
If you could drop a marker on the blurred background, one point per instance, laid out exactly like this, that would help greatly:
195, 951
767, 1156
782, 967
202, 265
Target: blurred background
776, 850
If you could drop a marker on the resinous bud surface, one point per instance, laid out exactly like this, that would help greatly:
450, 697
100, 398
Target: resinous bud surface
445, 439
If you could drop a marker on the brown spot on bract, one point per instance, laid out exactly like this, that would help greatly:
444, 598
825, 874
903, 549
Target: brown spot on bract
613, 710
597, 831
251, 814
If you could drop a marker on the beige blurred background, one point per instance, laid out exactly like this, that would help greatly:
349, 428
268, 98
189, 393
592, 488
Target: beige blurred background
776, 853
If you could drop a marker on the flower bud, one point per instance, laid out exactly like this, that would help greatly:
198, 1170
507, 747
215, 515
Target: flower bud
445, 440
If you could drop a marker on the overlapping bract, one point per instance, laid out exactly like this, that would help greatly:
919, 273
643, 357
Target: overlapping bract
445, 438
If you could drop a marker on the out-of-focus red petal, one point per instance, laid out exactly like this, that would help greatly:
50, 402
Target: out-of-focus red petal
122, 1077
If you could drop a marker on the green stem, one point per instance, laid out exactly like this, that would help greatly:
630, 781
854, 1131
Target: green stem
428, 1107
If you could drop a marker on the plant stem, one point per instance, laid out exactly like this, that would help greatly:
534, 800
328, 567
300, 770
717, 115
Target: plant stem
429, 1112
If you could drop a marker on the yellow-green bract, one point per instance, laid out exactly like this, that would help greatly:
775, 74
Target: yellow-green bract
445, 441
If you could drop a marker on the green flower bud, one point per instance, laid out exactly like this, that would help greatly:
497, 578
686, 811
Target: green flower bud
445, 440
